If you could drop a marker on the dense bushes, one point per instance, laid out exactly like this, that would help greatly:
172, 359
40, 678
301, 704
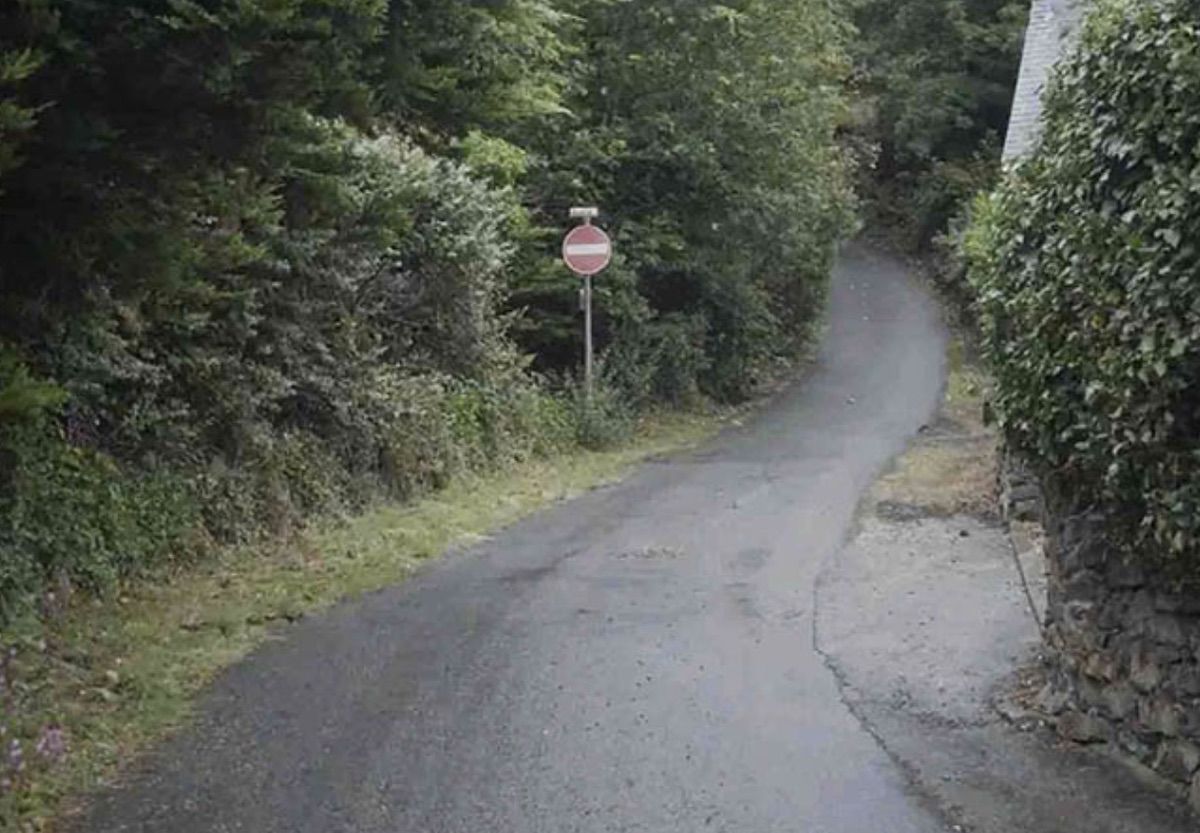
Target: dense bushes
1088, 269
265, 259
360, 353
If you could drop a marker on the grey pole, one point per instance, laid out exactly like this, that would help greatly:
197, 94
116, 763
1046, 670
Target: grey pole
586, 214
587, 338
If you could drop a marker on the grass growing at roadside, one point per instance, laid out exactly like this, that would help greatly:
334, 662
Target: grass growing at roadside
951, 468
118, 673
967, 387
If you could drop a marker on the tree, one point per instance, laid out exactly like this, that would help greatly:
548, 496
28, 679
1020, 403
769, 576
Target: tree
268, 258
445, 69
938, 76
708, 131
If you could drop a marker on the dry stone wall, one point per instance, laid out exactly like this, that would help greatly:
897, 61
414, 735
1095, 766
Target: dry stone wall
1124, 653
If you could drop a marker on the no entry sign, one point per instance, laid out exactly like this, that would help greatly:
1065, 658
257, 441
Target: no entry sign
587, 250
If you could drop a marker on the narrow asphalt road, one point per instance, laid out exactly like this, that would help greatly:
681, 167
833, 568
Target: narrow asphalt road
639, 659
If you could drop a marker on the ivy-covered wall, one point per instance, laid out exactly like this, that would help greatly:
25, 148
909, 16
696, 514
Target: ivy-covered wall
1086, 264
1087, 267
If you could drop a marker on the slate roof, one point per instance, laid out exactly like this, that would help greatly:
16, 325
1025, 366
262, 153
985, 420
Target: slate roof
1052, 23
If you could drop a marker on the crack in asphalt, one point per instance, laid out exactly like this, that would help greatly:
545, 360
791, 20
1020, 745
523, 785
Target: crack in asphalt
951, 816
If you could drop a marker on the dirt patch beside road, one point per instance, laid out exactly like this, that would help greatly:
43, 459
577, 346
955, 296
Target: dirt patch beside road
951, 468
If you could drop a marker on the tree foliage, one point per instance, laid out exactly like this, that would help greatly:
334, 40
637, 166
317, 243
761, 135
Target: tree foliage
707, 131
1087, 267
938, 79
447, 68
272, 257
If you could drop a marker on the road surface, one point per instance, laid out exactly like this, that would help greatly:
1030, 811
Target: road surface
639, 659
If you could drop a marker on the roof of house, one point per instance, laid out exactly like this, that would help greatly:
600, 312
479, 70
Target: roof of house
1051, 26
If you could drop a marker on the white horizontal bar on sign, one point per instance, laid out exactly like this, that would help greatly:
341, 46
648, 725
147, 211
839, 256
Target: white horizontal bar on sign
588, 249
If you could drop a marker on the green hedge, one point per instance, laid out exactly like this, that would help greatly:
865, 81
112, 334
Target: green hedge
1087, 265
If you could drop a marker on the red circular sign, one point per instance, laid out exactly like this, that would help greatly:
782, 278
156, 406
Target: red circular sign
587, 250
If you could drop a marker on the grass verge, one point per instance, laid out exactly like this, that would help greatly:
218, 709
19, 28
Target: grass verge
951, 468
114, 675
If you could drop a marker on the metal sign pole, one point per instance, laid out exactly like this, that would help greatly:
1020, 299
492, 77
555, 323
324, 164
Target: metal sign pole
587, 338
586, 251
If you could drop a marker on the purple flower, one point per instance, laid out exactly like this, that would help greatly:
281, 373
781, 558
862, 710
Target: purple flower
16, 757
52, 745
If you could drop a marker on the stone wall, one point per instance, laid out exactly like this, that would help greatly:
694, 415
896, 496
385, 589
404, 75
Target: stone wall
1020, 493
1124, 654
